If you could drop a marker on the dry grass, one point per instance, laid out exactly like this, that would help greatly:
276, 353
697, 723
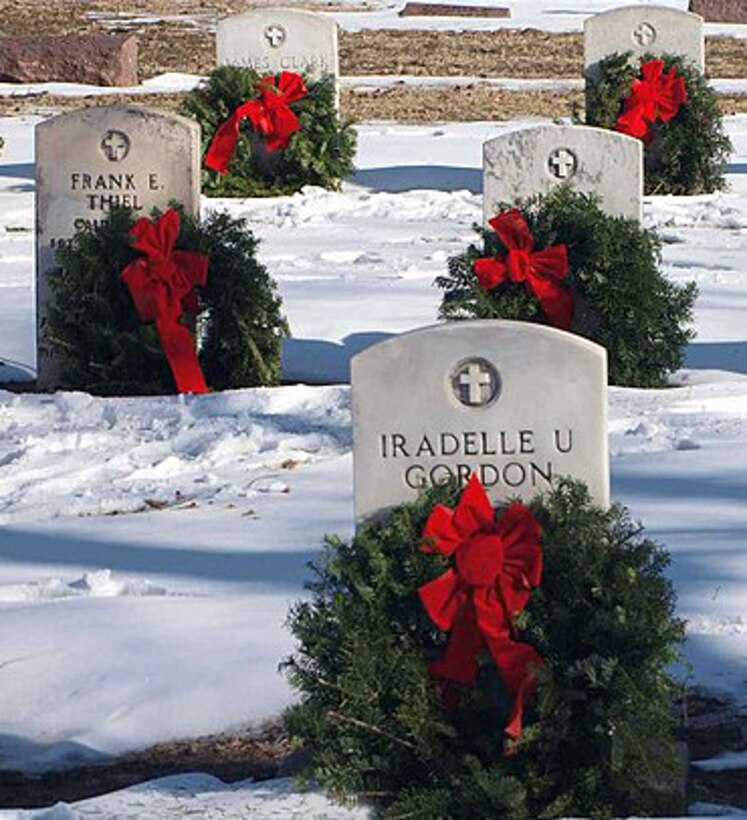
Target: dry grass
460, 103
409, 105
188, 44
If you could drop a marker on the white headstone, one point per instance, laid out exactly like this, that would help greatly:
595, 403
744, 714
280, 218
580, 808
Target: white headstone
517, 403
92, 159
643, 29
275, 40
530, 161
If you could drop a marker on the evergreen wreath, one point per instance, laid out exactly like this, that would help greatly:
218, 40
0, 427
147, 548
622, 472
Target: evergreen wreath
688, 154
621, 299
103, 346
320, 153
598, 739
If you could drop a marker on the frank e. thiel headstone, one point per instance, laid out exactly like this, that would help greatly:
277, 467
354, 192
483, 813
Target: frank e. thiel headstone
520, 164
93, 159
516, 403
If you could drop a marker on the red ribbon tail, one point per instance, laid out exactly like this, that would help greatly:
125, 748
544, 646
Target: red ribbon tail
179, 347
516, 663
459, 661
218, 156
556, 302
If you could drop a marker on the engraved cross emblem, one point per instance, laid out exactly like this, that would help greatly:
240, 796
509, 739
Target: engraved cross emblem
644, 34
275, 36
562, 163
115, 145
475, 382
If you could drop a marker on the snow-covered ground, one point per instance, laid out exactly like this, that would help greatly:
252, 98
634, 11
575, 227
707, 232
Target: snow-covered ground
545, 15
150, 548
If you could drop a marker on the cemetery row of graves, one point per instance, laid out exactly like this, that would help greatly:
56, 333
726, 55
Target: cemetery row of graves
498, 635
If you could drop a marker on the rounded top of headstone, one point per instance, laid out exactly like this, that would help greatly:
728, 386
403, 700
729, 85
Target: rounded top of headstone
113, 113
558, 131
644, 29
266, 13
493, 329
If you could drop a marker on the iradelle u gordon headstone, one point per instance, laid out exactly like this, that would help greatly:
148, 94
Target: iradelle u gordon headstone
530, 161
275, 40
643, 29
516, 403
90, 160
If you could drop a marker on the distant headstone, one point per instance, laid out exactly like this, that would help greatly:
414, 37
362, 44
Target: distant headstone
88, 161
516, 403
91, 57
531, 161
275, 40
720, 11
643, 29
451, 10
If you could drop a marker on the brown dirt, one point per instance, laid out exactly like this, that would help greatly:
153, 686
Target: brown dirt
525, 53
709, 727
188, 44
229, 757
412, 105
461, 103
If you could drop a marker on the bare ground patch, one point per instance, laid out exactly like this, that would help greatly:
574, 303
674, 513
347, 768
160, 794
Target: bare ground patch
409, 104
460, 103
185, 42
709, 726
526, 53
230, 757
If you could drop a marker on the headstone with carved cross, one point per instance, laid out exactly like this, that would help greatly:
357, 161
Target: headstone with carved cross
520, 164
275, 40
92, 159
516, 403
643, 29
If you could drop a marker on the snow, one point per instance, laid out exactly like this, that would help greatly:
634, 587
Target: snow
726, 761
150, 548
172, 82
198, 795
545, 15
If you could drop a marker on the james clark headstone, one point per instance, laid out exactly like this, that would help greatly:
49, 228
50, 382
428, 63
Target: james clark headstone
516, 403
530, 161
274, 40
643, 29
90, 160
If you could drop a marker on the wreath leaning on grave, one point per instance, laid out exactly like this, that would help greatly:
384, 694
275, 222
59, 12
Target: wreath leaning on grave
269, 135
665, 102
456, 661
156, 305
560, 260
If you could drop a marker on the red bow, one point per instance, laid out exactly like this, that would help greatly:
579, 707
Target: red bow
270, 116
541, 270
656, 96
162, 288
496, 566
